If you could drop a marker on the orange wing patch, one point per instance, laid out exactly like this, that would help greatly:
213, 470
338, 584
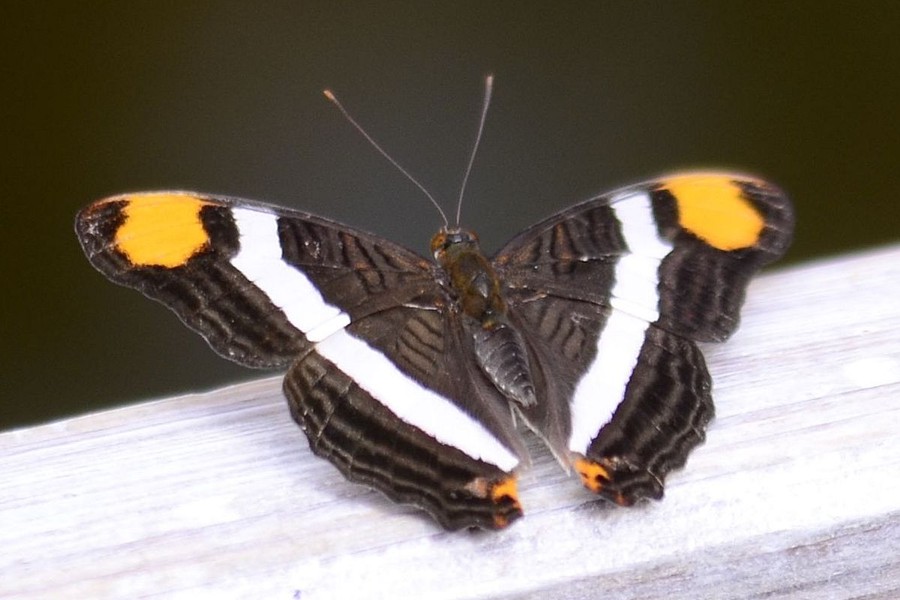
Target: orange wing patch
593, 476
713, 208
161, 229
503, 492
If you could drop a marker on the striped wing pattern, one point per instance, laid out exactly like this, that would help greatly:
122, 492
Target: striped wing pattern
608, 297
614, 294
207, 292
275, 288
456, 465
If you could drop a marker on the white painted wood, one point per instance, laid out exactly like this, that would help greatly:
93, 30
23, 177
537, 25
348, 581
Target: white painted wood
795, 495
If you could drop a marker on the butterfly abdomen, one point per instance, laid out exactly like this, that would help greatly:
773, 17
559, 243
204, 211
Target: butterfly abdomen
500, 351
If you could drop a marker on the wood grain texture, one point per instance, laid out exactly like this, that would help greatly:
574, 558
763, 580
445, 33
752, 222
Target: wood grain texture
796, 493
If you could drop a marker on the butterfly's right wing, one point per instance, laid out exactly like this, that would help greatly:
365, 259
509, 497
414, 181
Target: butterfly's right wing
612, 295
396, 401
258, 282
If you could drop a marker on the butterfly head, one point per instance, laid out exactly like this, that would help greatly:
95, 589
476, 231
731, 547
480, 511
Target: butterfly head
449, 244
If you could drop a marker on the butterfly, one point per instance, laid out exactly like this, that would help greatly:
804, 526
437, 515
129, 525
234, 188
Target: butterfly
409, 374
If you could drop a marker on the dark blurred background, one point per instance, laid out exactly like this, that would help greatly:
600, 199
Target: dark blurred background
107, 97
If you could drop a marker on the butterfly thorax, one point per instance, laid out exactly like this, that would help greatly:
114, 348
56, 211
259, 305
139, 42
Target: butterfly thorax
470, 274
499, 349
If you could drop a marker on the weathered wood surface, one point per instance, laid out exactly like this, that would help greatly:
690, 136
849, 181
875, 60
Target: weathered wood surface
796, 494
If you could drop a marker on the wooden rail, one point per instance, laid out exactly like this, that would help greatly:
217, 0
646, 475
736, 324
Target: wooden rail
796, 493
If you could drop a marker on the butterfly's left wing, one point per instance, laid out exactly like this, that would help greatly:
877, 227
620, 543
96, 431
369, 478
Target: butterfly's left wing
612, 295
380, 376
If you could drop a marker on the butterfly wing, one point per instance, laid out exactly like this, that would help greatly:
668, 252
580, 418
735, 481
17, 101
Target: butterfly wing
396, 401
258, 282
378, 377
612, 296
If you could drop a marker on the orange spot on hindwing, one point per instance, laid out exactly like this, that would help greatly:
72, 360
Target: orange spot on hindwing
161, 229
506, 492
593, 476
715, 209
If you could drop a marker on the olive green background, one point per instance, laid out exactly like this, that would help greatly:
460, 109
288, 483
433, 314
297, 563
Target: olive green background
102, 98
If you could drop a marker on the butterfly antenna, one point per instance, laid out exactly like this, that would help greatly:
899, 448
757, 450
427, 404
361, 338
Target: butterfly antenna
330, 95
488, 89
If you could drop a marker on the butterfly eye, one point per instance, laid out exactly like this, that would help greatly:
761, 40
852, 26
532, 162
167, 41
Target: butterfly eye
439, 243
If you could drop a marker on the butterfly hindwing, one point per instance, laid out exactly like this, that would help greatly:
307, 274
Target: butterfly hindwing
615, 292
426, 429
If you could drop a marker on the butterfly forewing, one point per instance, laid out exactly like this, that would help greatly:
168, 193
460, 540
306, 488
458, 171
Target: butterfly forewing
183, 251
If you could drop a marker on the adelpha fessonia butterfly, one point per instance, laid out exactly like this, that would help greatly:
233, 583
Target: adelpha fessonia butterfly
410, 374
